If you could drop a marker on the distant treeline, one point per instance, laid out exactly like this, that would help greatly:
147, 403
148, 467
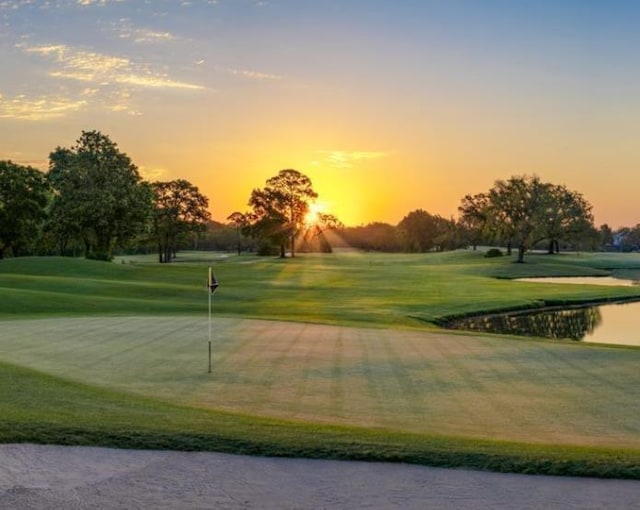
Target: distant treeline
93, 202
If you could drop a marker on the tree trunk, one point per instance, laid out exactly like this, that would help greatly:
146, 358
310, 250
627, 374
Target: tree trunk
282, 250
160, 257
509, 248
557, 245
552, 247
521, 251
293, 244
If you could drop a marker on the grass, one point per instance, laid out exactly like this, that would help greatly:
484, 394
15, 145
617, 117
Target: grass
78, 414
355, 289
115, 354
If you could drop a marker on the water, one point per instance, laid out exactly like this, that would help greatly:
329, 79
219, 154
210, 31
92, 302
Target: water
609, 324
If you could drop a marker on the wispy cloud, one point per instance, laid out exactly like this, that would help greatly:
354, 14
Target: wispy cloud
88, 66
39, 108
346, 159
48, 4
125, 29
252, 74
86, 3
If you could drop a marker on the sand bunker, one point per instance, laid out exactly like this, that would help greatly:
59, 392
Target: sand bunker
45, 477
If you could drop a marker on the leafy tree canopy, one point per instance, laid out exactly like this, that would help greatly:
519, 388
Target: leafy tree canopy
24, 195
278, 210
99, 193
179, 208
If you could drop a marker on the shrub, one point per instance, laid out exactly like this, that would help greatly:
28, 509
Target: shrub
493, 252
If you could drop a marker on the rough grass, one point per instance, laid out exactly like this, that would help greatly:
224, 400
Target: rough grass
396, 392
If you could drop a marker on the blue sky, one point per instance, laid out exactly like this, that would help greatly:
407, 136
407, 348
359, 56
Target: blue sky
388, 105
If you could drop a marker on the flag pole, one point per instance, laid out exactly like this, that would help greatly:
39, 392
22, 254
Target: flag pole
212, 285
209, 327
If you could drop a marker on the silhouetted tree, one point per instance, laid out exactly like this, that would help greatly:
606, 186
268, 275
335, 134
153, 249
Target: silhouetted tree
279, 209
419, 231
474, 217
238, 221
178, 208
376, 236
314, 238
606, 235
24, 194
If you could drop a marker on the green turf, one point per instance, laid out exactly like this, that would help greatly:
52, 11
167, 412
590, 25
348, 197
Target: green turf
410, 381
356, 289
36, 407
123, 345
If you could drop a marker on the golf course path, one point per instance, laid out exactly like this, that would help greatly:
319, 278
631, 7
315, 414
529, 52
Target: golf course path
45, 477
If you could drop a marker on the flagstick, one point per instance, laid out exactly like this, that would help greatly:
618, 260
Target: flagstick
212, 285
209, 292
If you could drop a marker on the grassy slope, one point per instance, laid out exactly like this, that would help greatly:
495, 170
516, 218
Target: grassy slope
357, 289
380, 290
40, 408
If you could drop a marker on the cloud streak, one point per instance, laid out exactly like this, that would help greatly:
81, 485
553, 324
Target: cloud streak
102, 69
251, 74
346, 159
39, 108
126, 30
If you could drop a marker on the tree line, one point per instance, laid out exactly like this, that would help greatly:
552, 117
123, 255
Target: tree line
92, 201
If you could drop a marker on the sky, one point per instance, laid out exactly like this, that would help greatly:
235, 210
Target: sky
387, 105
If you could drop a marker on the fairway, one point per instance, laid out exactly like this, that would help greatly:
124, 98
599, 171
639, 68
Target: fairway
411, 381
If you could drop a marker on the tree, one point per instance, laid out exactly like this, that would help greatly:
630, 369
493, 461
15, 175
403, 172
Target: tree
567, 215
24, 194
422, 232
419, 231
314, 239
630, 241
525, 211
99, 193
279, 209
474, 217
178, 208
238, 221
605, 235
376, 236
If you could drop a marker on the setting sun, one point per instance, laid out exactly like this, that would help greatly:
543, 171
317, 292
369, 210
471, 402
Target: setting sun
312, 216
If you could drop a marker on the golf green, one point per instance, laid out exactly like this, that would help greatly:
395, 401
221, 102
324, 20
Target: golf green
420, 382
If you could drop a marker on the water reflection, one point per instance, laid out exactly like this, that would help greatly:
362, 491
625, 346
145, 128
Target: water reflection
572, 323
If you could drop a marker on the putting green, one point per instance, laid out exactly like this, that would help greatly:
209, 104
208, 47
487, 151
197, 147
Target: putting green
426, 382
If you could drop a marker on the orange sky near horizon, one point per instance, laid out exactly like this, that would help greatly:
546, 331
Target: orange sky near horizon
387, 106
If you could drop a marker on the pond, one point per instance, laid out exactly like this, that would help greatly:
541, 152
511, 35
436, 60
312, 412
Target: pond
608, 323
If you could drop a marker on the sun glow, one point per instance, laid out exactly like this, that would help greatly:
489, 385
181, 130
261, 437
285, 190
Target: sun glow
313, 215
